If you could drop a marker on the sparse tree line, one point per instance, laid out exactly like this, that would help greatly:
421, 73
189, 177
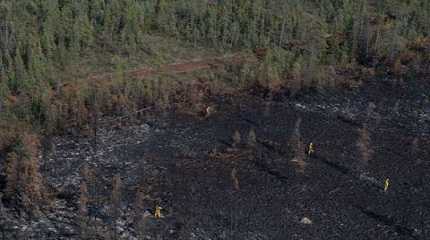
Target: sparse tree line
303, 43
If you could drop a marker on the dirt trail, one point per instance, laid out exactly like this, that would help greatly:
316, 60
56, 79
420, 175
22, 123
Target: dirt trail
213, 188
181, 67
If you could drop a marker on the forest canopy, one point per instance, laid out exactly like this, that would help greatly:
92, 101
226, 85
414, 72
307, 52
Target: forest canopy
40, 39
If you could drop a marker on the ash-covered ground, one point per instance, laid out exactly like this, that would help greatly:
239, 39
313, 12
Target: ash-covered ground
215, 180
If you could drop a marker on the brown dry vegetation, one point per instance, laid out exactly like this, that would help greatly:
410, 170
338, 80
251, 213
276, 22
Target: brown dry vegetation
281, 46
298, 147
364, 145
24, 183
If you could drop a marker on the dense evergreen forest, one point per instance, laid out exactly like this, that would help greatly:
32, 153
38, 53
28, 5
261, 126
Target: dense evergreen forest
304, 41
39, 39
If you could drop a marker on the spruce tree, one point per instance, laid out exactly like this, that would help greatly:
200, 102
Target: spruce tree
20, 71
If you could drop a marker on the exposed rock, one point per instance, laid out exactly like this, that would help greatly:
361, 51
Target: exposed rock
306, 221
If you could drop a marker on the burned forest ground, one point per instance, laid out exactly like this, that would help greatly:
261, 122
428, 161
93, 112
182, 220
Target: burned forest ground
246, 171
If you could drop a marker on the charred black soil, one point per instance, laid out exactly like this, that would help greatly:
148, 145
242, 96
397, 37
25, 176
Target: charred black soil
213, 187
